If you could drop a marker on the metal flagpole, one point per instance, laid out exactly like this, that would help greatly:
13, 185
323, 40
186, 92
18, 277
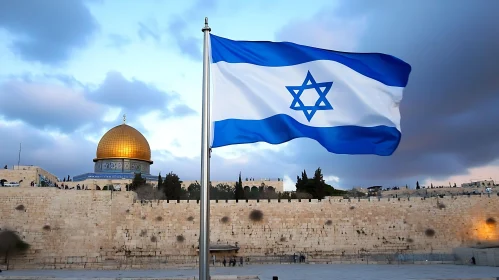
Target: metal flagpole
204, 228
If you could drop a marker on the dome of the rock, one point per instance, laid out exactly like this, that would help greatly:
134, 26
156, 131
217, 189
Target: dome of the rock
123, 142
123, 149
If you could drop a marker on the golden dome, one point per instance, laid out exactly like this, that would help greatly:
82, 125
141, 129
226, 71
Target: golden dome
123, 141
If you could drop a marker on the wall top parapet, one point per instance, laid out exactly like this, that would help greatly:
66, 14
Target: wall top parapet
23, 167
318, 201
130, 196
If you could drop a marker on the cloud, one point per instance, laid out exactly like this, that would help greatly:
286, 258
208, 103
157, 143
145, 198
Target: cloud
47, 32
56, 153
187, 44
189, 168
62, 103
339, 33
138, 97
450, 105
149, 30
49, 106
180, 28
118, 41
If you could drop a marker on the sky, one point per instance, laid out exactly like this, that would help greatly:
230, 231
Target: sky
69, 70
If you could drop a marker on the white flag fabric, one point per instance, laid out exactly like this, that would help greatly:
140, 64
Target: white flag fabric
277, 91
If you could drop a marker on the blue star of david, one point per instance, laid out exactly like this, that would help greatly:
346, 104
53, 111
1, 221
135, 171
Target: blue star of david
321, 104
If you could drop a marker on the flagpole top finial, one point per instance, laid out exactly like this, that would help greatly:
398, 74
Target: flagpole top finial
206, 27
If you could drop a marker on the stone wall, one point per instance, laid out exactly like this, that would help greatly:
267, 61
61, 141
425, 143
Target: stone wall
98, 229
436, 191
27, 174
14, 175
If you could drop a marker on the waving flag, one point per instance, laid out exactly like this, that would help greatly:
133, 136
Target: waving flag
274, 92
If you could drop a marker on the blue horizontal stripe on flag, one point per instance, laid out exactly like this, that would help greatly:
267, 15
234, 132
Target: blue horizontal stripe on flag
384, 68
378, 140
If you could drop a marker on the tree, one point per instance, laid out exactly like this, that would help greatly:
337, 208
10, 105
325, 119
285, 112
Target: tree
148, 192
301, 182
172, 186
319, 185
160, 180
239, 191
194, 191
316, 186
417, 185
137, 182
455, 186
223, 191
330, 191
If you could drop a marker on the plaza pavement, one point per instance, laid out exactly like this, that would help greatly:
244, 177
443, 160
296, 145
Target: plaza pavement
284, 272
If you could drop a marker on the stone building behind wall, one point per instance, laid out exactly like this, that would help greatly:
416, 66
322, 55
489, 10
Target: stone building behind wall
477, 184
24, 175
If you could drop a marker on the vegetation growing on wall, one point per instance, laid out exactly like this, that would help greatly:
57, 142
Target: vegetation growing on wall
430, 232
11, 244
225, 220
256, 215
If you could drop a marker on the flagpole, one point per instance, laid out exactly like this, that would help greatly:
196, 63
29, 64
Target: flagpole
204, 228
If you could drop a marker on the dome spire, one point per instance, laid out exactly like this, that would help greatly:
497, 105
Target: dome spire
124, 118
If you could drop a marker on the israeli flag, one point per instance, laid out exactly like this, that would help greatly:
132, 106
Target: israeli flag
277, 91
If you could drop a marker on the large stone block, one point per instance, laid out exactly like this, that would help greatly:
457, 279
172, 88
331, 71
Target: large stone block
97, 229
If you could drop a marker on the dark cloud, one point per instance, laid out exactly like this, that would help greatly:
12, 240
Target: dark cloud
48, 106
59, 155
449, 110
47, 31
62, 103
138, 97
